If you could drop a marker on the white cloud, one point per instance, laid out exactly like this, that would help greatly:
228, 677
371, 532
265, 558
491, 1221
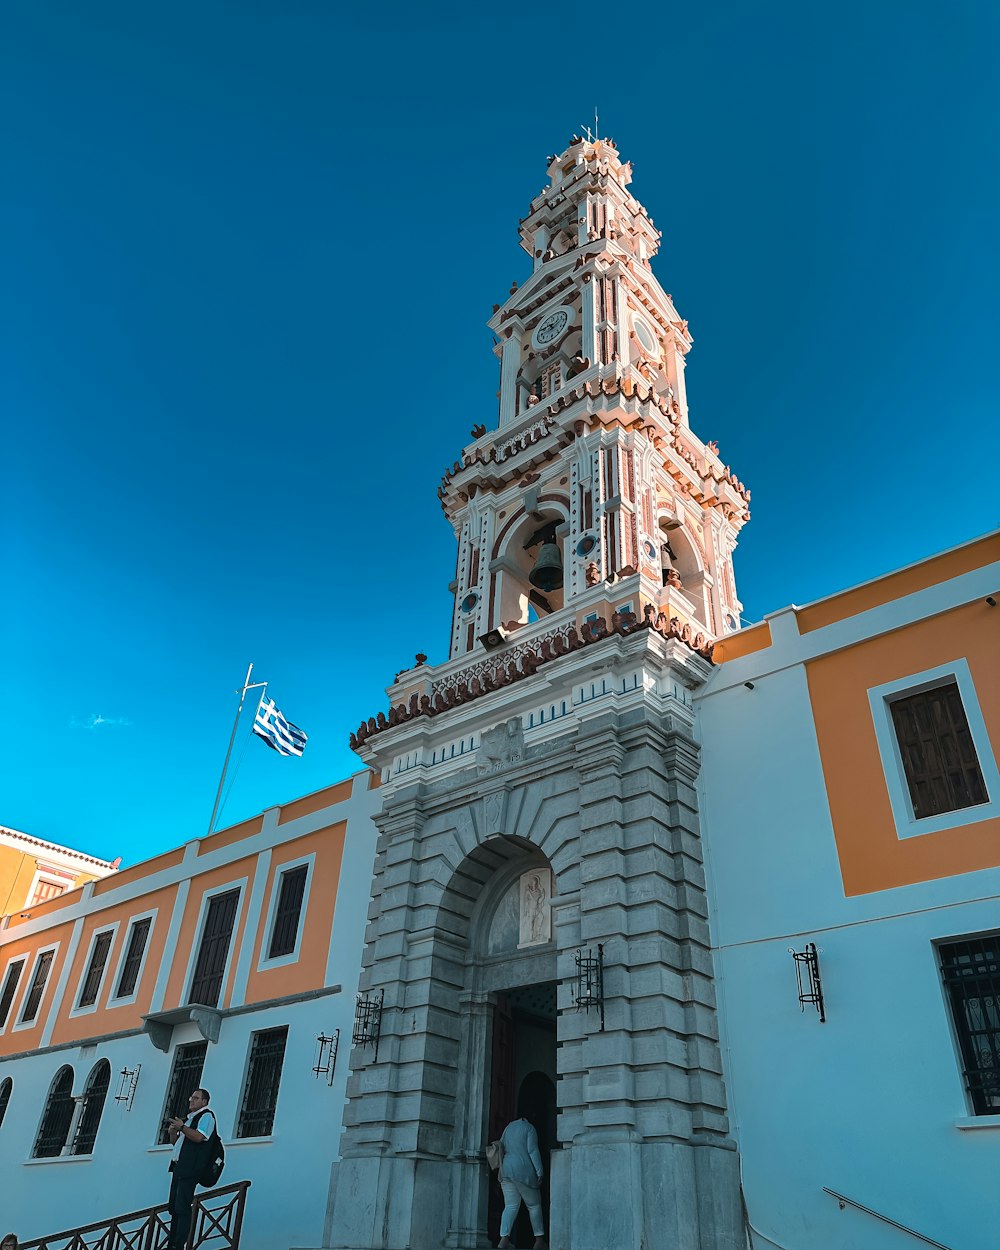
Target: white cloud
97, 721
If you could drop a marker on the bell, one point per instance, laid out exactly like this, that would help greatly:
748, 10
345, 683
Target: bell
548, 571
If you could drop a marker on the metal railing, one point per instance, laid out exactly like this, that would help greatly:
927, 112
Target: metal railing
850, 1202
217, 1220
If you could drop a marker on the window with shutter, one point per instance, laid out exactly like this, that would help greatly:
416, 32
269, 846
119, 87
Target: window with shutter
10, 983
286, 917
94, 1095
138, 935
971, 971
95, 969
6, 1086
34, 996
185, 1078
210, 966
938, 754
260, 1093
57, 1117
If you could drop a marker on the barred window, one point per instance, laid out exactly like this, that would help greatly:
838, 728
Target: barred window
95, 970
185, 1078
971, 971
10, 983
94, 1094
286, 916
6, 1085
210, 967
34, 998
938, 754
57, 1117
137, 937
45, 890
260, 1093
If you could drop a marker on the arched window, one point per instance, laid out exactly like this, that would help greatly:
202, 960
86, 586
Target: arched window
6, 1085
57, 1118
94, 1094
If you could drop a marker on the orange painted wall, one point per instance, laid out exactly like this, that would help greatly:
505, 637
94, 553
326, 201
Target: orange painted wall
204, 882
29, 1038
309, 971
744, 642
129, 1016
872, 857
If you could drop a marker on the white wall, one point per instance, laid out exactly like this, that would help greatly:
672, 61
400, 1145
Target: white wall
870, 1103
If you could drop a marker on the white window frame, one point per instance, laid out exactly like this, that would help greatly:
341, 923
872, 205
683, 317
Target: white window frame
39, 1014
241, 885
15, 1002
76, 1009
127, 999
282, 961
51, 876
880, 698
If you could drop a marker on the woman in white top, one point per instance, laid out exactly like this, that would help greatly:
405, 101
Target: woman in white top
520, 1178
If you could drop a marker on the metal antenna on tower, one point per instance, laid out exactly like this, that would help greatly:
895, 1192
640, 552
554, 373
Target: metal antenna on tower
592, 135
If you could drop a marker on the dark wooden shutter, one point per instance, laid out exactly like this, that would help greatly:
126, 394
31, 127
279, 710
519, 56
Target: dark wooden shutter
216, 935
286, 918
133, 958
10, 989
98, 958
31, 1003
939, 756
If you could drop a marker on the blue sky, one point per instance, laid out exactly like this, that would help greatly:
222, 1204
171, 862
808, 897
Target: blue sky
230, 229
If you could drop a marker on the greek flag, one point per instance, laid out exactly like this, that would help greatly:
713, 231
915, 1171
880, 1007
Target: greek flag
279, 734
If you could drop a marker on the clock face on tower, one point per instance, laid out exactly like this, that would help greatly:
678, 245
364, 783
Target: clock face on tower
551, 327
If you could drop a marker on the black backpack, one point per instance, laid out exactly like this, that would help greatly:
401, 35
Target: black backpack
215, 1161
215, 1157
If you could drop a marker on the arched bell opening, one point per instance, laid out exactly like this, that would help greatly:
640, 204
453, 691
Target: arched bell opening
533, 569
683, 568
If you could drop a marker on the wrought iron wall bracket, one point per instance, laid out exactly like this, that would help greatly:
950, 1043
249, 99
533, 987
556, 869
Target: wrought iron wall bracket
129, 1081
326, 1055
589, 989
368, 1021
808, 979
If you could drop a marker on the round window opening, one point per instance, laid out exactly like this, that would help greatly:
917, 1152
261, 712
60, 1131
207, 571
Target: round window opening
470, 601
586, 545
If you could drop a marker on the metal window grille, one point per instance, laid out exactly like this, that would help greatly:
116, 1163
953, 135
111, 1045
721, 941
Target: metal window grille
206, 985
94, 1095
6, 1086
185, 1078
971, 972
98, 958
9, 989
260, 1094
33, 1001
286, 919
939, 756
133, 958
57, 1118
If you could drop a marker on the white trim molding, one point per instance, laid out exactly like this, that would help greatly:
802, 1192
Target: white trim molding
880, 698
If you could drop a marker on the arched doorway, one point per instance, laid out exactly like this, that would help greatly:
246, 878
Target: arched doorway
510, 1018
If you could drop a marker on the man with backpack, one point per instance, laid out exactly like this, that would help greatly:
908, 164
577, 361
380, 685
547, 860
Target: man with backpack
192, 1139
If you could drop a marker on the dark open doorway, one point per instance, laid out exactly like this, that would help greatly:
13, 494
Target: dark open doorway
523, 1083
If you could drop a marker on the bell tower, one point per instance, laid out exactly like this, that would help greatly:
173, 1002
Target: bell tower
589, 490
538, 941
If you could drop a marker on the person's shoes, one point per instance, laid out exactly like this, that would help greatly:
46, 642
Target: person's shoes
540, 1244
504, 1243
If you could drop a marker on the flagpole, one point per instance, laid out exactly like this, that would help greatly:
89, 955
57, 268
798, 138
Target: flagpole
232, 739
